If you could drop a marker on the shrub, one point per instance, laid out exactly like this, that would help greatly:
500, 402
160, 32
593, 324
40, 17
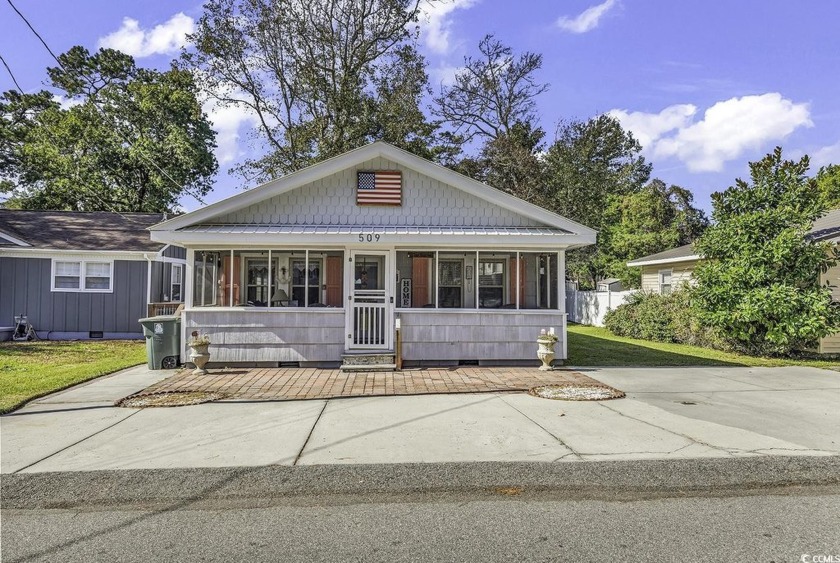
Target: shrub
663, 318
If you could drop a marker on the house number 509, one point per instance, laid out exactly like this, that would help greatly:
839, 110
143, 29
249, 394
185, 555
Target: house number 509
370, 237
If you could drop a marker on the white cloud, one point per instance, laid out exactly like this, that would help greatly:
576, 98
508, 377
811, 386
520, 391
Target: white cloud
436, 22
227, 122
727, 130
648, 127
164, 39
586, 20
443, 74
825, 156
66, 103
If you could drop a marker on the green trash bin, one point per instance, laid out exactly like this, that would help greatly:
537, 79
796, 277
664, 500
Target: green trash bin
163, 341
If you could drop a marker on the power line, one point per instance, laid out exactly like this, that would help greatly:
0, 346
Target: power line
116, 127
5, 64
26, 21
55, 139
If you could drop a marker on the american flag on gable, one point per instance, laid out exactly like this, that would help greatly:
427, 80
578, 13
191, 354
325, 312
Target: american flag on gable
383, 187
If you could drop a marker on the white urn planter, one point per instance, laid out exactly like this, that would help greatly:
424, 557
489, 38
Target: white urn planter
545, 351
200, 353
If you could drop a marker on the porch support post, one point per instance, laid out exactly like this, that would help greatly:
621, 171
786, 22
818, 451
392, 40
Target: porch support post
189, 281
436, 278
230, 281
561, 281
306, 278
518, 281
270, 279
476, 279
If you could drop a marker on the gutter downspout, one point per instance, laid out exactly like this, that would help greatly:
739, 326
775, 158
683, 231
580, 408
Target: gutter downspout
148, 282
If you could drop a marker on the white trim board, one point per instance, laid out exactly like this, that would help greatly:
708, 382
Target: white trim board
691, 258
13, 240
47, 253
248, 240
355, 158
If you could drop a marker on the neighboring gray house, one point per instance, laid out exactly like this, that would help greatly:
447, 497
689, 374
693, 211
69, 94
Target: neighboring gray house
323, 263
85, 275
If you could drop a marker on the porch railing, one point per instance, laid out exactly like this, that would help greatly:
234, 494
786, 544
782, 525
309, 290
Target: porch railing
167, 308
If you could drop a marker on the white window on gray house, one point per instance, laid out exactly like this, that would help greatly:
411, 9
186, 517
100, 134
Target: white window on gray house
67, 275
97, 276
82, 276
665, 282
177, 282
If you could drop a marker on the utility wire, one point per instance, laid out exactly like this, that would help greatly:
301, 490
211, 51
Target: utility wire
29, 25
5, 64
116, 126
55, 139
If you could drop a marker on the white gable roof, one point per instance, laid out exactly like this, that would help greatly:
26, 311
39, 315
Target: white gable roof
227, 207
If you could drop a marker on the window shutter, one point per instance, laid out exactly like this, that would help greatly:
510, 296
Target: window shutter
420, 271
335, 281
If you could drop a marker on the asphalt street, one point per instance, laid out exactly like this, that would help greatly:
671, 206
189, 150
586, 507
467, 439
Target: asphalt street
697, 510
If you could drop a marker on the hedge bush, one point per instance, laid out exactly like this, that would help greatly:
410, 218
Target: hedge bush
663, 318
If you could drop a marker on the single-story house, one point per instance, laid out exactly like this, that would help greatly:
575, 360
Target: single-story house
324, 263
664, 271
667, 270
609, 284
79, 275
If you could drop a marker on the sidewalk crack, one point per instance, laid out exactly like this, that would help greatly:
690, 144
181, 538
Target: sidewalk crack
680, 434
544, 429
311, 431
65, 448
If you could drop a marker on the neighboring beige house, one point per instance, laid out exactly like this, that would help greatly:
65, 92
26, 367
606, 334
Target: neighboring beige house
666, 270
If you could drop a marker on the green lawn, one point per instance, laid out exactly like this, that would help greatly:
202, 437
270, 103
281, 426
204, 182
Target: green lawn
593, 346
33, 369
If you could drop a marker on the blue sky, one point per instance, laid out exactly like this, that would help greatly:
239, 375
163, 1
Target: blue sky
705, 85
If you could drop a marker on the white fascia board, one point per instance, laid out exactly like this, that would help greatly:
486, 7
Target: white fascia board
13, 240
636, 263
58, 253
250, 240
356, 157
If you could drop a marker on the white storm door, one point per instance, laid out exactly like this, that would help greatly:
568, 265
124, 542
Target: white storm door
370, 314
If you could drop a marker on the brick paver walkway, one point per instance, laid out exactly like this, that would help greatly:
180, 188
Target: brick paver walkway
312, 383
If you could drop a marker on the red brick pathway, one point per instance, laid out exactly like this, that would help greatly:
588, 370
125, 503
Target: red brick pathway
312, 383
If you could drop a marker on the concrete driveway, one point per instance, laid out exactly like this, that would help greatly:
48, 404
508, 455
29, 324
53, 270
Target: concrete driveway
669, 413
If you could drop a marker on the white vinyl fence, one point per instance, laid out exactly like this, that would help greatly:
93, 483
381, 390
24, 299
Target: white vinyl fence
589, 307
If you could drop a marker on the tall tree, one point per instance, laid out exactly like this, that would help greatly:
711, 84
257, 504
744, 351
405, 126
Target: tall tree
131, 139
828, 181
322, 76
656, 218
492, 93
759, 283
590, 166
493, 101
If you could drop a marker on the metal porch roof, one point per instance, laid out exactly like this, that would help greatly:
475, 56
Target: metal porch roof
381, 229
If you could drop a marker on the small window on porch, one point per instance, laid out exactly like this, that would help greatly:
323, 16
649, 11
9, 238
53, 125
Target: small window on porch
491, 283
450, 283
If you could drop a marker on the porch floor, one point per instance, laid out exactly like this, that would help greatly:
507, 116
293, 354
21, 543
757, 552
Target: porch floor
278, 384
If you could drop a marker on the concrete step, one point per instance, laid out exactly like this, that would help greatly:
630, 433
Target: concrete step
369, 361
370, 367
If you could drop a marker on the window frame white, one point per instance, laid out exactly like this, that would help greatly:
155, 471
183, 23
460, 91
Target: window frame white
172, 284
670, 284
493, 259
82, 275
